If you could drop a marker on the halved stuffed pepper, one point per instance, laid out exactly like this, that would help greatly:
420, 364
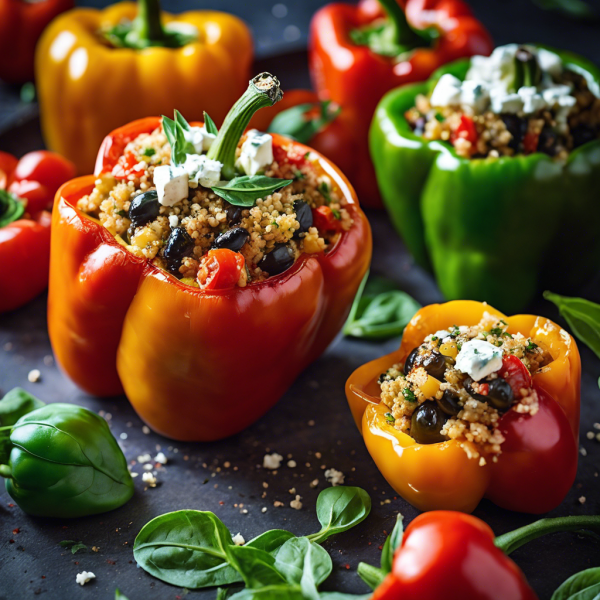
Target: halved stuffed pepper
473, 404
200, 272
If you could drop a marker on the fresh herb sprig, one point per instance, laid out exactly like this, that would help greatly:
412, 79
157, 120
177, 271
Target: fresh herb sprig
75, 546
245, 190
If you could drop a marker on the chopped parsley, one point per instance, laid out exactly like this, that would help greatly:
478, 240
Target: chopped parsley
409, 395
324, 189
306, 156
434, 338
454, 331
389, 417
148, 152
531, 346
298, 174
336, 213
475, 351
496, 331
275, 223
508, 335
123, 213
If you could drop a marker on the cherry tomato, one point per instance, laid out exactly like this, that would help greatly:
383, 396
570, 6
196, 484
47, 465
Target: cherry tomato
324, 219
516, 374
466, 130
530, 142
220, 269
48, 168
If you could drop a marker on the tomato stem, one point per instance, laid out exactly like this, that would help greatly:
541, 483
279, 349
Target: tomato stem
263, 90
512, 540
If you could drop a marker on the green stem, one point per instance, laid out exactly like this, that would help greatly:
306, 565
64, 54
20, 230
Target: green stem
401, 33
147, 27
527, 69
11, 208
5, 471
262, 91
512, 540
371, 575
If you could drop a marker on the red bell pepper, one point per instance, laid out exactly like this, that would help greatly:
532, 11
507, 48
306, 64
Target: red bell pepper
27, 189
21, 24
357, 54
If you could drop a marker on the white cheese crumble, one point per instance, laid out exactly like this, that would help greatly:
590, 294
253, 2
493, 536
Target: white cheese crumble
149, 479
144, 458
173, 221
257, 152
199, 138
83, 577
334, 477
34, 376
296, 504
479, 359
446, 92
160, 458
272, 461
171, 184
202, 170
238, 539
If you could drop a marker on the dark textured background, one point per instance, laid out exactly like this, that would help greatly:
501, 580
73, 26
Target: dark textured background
31, 562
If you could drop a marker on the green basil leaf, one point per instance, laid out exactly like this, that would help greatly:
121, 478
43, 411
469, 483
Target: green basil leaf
119, 595
13, 406
340, 508
582, 316
209, 125
180, 120
379, 310
175, 132
371, 575
246, 190
392, 543
581, 586
271, 592
223, 593
256, 566
11, 208
270, 541
187, 548
297, 122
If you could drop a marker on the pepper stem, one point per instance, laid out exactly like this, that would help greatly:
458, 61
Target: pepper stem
147, 28
400, 32
512, 540
5, 471
262, 91
527, 69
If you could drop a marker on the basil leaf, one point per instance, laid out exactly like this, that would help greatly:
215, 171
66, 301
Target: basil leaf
11, 208
297, 122
75, 546
379, 310
256, 567
187, 548
13, 406
270, 541
174, 130
582, 316
246, 190
180, 120
581, 586
271, 592
339, 509
392, 543
209, 125
119, 595
223, 593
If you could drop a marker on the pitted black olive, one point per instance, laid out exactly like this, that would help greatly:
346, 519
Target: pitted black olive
435, 364
517, 127
280, 259
427, 422
468, 383
234, 214
144, 208
304, 216
500, 394
411, 360
449, 403
232, 239
179, 245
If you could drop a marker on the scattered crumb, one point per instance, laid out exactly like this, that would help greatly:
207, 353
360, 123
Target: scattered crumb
134, 474
227, 464
291, 464
48, 360
590, 435
144, 458
277, 503
83, 577
95, 548
265, 485
148, 467
311, 423
238, 539
244, 511
33, 377
272, 461
123, 436
334, 477
314, 483
583, 451
160, 458
146, 429
150, 479
263, 509
581, 499
296, 504
292, 491
318, 455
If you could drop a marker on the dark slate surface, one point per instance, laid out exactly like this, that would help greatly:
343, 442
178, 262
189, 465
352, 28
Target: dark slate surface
31, 562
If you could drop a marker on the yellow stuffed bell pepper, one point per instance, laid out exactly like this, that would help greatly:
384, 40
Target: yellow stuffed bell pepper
96, 70
537, 461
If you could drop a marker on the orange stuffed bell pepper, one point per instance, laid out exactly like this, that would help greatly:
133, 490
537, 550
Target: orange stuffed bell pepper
473, 404
99, 69
359, 53
207, 290
27, 188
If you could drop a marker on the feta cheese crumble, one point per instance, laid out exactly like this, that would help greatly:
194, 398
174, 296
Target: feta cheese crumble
83, 577
272, 461
199, 138
334, 477
160, 458
257, 152
238, 539
479, 359
149, 478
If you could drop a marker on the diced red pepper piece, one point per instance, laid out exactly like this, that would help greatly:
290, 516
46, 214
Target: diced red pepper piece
324, 219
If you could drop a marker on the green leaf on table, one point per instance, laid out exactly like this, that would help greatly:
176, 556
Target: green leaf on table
13, 406
119, 595
339, 509
304, 121
11, 208
379, 310
581, 586
187, 548
246, 190
582, 316
256, 567
270, 541
209, 125
392, 543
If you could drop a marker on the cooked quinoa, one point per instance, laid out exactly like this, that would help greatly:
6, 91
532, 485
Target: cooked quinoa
487, 115
204, 216
457, 385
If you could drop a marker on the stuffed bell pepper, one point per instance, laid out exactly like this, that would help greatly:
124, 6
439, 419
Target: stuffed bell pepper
27, 188
201, 271
473, 404
98, 69
489, 171
358, 53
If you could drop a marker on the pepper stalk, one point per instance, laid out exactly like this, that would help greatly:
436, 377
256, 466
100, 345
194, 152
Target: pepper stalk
263, 90
11, 208
398, 30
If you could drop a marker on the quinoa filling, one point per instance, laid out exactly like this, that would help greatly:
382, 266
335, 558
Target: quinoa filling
459, 382
518, 101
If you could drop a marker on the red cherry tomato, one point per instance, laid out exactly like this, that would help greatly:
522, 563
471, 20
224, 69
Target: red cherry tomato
466, 130
324, 219
48, 168
516, 375
220, 269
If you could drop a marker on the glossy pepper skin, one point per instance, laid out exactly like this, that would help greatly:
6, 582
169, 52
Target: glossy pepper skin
538, 462
102, 87
463, 217
65, 462
181, 354
356, 78
451, 555
25, 243
21, 24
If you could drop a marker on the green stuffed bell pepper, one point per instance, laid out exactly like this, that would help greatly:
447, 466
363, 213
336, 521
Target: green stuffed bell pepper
490, 172
64, 461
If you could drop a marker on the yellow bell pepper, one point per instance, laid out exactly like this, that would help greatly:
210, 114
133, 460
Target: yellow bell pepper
97, 70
